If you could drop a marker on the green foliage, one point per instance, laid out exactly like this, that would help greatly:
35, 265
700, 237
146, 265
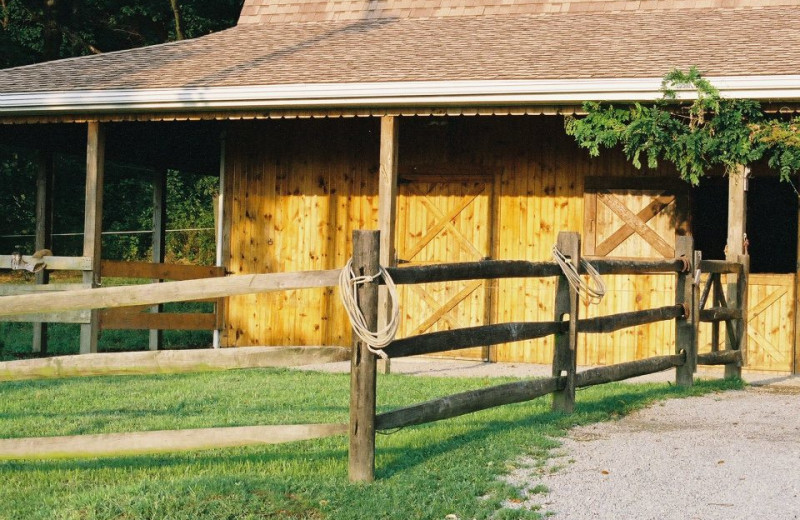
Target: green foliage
696, 136
34, 31
426, 472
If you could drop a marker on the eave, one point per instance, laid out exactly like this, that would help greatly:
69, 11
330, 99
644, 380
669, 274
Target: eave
479, 93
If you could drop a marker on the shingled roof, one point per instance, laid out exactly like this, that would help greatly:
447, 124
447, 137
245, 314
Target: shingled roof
292, 45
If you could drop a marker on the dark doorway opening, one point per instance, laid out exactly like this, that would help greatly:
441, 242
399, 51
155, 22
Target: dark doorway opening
771, 222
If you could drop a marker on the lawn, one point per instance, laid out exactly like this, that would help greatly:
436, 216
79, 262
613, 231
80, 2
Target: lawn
431, 471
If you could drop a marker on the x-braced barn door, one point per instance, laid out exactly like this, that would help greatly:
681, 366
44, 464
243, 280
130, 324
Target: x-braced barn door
635, 222
443, 220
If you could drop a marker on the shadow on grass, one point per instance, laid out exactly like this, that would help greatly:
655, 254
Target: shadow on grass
414, 447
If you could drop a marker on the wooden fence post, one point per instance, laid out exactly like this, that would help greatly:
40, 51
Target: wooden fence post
565, 352
738, 299
93, 225
685, 335
366, 245
44, 233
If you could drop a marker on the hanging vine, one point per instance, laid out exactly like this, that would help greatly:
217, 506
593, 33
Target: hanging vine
695, 135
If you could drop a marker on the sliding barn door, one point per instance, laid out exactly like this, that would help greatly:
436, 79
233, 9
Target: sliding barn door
443, 220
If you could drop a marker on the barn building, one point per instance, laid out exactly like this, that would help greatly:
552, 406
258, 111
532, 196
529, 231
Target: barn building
441, 123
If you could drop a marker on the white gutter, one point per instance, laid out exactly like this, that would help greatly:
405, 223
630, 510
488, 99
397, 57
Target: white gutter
388, 94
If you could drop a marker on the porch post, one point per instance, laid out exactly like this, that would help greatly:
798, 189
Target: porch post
737, 227
44, 233
92, 225
159, 241
387, 212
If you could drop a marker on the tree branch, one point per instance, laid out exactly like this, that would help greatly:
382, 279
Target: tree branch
176, 11
6, 16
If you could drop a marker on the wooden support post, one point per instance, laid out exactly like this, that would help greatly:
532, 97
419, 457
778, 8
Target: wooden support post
737, 226
92, 225
387, 211
738, 298
159, 241
565, 351
685, 293
44, 234
366, 246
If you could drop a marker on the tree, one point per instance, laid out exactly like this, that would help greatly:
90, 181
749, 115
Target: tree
696, 136
40, 30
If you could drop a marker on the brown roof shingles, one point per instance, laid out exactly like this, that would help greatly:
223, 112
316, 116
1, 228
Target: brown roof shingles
622, 44
281, 11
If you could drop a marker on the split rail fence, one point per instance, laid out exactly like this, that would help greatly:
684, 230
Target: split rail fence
137, 317
688, 312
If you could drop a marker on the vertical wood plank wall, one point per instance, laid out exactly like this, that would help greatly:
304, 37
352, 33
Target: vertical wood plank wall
297, 189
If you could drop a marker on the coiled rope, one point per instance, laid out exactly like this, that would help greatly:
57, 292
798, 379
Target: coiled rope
590, 292
348, 291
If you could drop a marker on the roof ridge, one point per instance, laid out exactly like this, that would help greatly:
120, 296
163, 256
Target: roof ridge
256, 12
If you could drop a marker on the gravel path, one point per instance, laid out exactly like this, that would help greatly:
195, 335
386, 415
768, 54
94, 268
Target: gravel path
728, 456
725, 456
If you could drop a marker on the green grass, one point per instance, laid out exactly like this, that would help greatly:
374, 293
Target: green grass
430, 471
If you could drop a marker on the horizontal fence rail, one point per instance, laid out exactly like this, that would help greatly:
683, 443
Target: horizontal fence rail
496, 269
52, 263
442, 341
152, 294
485, 398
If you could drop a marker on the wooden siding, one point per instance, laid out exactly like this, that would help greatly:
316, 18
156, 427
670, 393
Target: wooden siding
296, 189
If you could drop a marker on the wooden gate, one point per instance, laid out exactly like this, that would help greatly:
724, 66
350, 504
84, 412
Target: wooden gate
441, 220
770, 323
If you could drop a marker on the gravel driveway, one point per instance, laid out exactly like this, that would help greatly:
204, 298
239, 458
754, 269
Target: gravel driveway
727, 456
724, 456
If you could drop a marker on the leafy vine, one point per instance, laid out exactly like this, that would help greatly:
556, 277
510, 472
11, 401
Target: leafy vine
695, 135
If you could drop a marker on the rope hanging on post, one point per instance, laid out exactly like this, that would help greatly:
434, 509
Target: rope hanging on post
590, 292
348, 291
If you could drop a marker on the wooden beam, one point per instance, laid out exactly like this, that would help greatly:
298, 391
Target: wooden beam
720, 267
82, 317
114, 319
737, 213
44, 233
53, 263
632, 220
159, 243
189, 290
109, 444
469, 337
17, 289
622, 234
466, 402
796, 302
622, 371
685, 293
387, 211
623, 320
722, 357
496, 269
565, 360
93, 224
734, 369
168, 362
118, 269
720, 314
366, 246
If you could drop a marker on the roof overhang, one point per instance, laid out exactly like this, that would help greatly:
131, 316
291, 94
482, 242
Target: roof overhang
388, 94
